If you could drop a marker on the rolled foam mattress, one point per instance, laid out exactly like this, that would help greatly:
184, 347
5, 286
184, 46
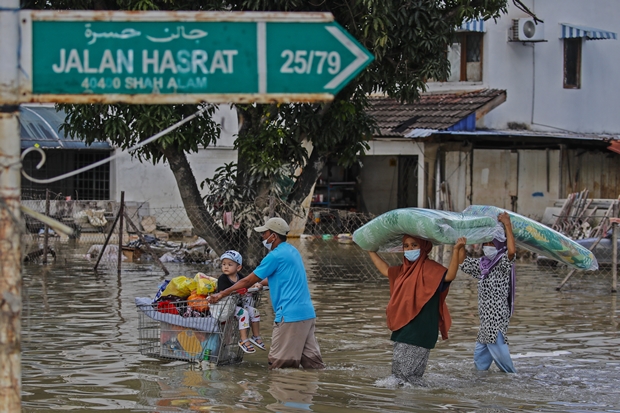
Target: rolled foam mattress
541, 239
439, 227
478, 223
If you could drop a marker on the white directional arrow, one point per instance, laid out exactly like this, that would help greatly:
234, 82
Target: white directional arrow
360, 57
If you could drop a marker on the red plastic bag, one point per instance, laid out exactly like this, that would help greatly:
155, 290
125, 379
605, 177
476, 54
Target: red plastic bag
167, 307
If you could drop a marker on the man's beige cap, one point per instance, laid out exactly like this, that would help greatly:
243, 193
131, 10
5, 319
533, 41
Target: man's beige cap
277, 225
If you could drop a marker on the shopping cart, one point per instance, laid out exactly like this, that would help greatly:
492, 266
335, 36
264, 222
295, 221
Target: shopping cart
176, 331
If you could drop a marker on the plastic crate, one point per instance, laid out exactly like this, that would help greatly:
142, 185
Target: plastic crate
165, 333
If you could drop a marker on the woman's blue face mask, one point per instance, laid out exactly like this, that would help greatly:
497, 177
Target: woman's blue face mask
412, 255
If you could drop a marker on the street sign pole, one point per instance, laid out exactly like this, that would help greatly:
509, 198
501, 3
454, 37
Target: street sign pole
185, 57
10, 250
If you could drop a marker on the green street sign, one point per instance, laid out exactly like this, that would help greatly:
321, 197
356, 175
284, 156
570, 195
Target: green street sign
166, 57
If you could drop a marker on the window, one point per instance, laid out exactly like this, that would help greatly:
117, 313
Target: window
572, 63
466, 58
90, 185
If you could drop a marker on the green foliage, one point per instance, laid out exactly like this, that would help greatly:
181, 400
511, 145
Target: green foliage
128, 125
226, 195
270, 142
408, 38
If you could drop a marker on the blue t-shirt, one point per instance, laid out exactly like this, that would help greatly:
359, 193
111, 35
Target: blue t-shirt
288, 285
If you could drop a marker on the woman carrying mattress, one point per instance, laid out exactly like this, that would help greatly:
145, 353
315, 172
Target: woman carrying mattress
496, 281
417, 308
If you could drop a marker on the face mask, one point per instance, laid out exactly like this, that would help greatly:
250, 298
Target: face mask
489, 252
267, 244
412, 255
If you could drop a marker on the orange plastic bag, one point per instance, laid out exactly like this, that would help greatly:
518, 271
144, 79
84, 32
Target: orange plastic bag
198, 302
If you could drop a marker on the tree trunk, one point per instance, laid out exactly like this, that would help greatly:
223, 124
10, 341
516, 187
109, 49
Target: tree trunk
243, 166
204, 224
307, 178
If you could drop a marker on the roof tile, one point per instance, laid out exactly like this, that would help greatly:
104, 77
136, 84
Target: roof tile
433, 111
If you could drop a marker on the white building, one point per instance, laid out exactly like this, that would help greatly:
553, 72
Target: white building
537, 124
553, 135
141, 181
156, 184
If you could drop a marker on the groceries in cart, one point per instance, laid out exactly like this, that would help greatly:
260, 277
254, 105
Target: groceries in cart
193, 290
179, 323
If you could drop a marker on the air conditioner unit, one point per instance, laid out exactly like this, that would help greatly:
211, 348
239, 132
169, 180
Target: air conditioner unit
526, 30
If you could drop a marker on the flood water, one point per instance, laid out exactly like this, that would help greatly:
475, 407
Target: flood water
80, 350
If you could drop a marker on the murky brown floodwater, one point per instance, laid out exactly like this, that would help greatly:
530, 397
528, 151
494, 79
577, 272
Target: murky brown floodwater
80, 351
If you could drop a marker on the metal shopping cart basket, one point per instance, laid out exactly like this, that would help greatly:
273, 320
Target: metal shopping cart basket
177, 331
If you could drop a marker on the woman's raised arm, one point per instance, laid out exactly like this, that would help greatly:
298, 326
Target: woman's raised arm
381, 265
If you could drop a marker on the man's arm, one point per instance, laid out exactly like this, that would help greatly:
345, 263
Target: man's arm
246, 282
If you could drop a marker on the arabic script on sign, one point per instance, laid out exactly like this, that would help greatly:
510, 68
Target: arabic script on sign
129, 33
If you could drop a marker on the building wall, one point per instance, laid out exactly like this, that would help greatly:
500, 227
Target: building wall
544, 104
532, 73
457, 175
598, 172
539, 181
155, 184
379, 174
379, 182
493, 177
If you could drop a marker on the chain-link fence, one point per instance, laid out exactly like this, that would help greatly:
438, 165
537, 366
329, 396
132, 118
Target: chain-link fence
323, 236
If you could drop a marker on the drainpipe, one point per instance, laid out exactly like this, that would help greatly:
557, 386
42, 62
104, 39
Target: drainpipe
10, 217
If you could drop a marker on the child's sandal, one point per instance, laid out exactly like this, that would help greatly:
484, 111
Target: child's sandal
246, 346
258, 342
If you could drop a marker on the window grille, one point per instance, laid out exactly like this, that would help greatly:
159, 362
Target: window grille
90, 185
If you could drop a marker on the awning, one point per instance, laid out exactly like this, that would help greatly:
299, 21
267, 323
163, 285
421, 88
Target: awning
572, 31
472, 26
40, 126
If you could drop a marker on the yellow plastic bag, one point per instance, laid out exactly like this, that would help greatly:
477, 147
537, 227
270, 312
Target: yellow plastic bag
205, 285
180, 286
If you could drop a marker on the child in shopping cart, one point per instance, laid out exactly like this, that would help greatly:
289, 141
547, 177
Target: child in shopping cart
245, 313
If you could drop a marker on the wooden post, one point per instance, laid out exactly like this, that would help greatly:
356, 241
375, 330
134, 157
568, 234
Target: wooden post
614, 256
121, 211
46, 227
10, 212
107, 239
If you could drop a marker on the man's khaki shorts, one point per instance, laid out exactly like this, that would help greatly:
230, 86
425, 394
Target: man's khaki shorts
294, 345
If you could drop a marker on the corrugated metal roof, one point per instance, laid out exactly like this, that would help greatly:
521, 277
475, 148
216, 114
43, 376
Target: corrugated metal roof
534, 134
40, 124
441, 111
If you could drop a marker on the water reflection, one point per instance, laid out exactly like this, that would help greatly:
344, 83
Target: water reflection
293, 391
80, 350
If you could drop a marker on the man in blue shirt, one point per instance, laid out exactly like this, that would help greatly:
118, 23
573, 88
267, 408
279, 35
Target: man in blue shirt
293, 343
